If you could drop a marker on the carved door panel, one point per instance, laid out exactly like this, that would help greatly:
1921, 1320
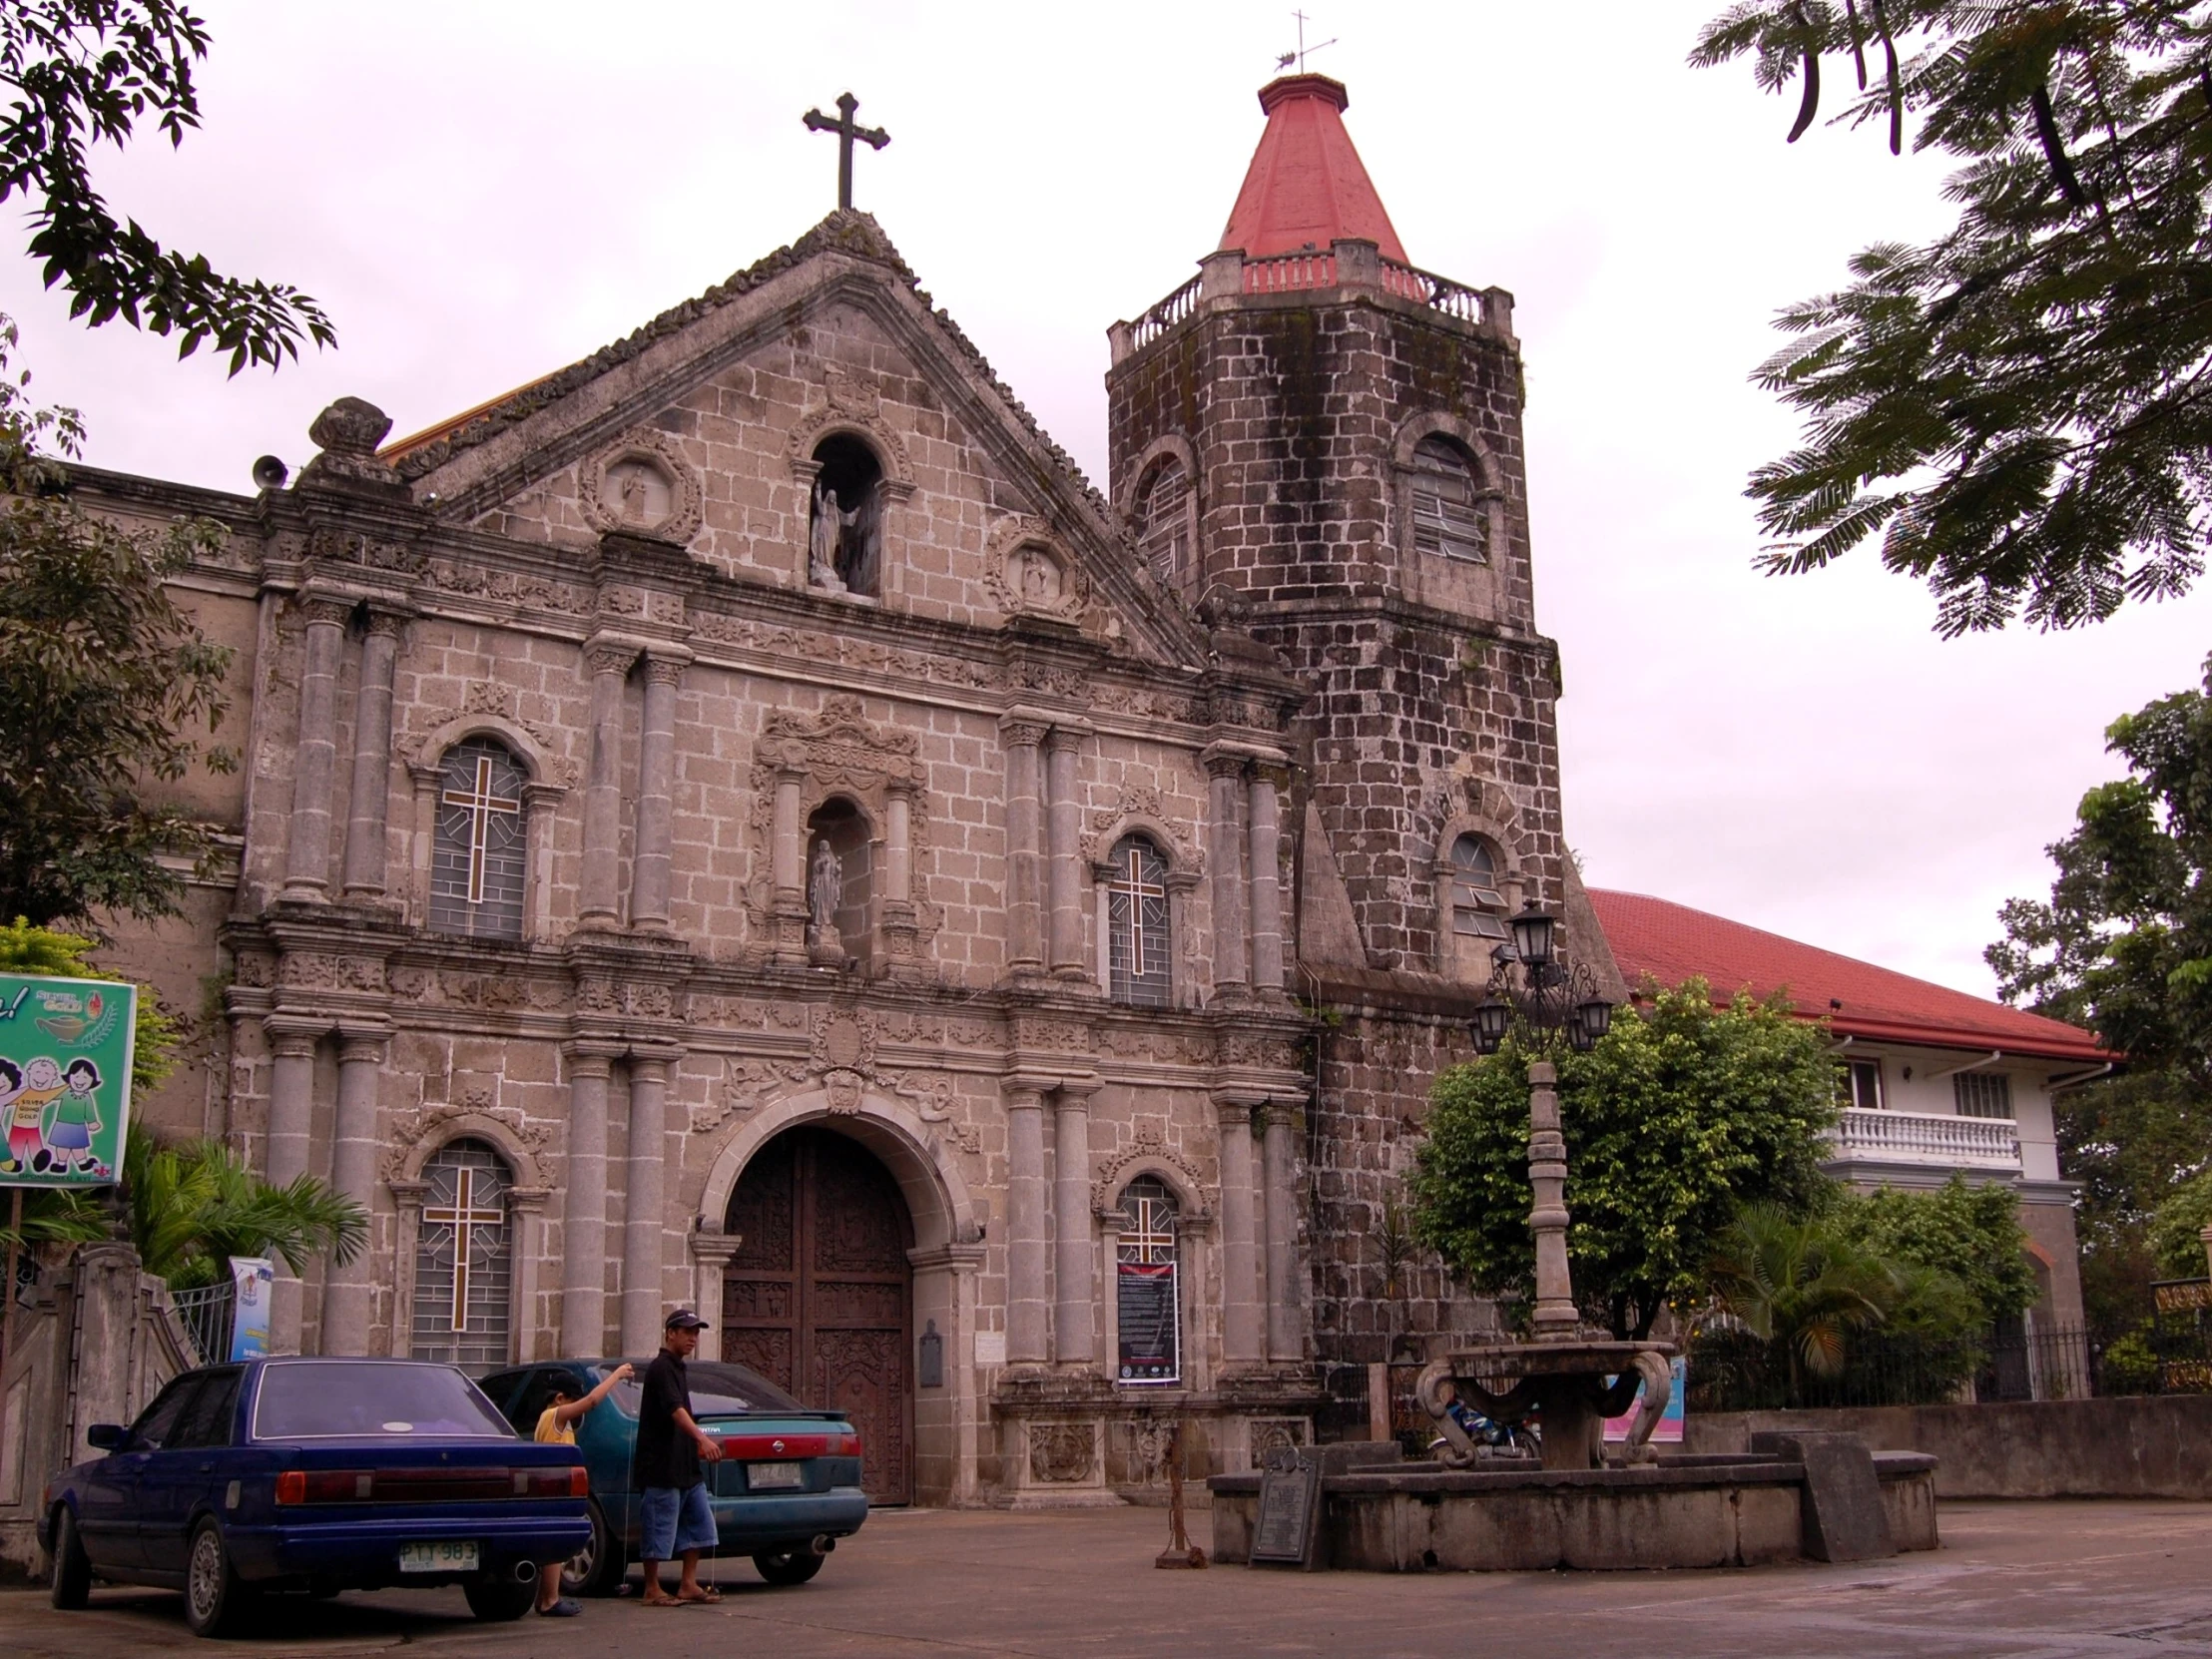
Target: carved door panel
820, 1291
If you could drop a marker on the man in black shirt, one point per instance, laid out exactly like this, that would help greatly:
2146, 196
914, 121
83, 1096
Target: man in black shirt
678, 1520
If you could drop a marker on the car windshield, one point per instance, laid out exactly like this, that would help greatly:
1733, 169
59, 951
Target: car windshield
717, 1391
328, 1400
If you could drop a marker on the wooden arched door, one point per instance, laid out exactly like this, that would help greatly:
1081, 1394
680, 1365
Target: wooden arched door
819, 1295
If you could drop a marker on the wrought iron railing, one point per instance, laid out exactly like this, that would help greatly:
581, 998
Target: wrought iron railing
1734, 1371
1928, 1138
205, 1312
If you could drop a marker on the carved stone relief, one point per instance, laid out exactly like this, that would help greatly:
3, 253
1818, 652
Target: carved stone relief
1062, 1451
1028, 573
642, 485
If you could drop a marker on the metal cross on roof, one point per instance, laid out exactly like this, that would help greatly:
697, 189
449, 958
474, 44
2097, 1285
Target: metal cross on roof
847, 129
463, 1215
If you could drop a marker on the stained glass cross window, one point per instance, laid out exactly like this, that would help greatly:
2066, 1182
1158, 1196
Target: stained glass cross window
463, 1258
1137, 918
478, 866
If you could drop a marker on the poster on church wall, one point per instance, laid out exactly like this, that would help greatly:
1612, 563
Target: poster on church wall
1145, 1305
65, 1079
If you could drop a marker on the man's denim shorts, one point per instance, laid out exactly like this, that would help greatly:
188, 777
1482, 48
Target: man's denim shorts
675, 1522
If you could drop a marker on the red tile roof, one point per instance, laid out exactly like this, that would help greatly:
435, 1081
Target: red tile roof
1672, 943
1305, 185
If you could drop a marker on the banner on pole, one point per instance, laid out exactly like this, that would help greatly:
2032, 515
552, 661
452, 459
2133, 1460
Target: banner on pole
252, 1275
65, 1079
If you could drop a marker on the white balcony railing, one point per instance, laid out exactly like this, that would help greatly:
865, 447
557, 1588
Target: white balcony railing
1925, 1138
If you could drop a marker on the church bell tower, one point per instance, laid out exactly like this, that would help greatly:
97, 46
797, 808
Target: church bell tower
1317, 442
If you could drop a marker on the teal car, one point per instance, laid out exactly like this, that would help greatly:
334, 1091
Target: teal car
786, 1490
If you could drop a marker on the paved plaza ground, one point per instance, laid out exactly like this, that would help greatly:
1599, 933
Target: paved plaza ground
2029, 1579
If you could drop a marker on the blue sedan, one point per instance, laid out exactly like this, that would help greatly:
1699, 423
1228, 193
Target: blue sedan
319, 1476
786, 1490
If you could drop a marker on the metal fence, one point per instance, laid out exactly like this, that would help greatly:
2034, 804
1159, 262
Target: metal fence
1733, 1370
205, 1312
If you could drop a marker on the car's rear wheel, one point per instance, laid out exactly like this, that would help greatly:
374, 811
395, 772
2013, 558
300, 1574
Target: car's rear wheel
596, 1569
71, 1586
497, 1600
788, 1566
214, 1600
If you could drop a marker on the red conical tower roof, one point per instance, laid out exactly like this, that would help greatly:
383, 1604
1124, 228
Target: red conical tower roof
1306, 187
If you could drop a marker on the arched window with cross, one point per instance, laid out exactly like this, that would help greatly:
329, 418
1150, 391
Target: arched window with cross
479, 863
1137, 953
465, 1258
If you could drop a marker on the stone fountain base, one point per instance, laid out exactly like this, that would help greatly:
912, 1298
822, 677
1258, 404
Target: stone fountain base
1804, 1497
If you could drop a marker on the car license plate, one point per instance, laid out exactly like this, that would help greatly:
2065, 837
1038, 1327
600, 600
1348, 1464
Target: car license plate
768, 1477
442, 1555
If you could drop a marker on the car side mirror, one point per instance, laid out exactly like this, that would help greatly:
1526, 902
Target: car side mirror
107, 1436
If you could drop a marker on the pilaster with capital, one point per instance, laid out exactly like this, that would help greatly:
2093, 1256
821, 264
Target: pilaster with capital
1225, 853
348, 1297
1267, 879
1074, 1294
1286, 1337
1240, 1268
368, 799
656, 823
1064, 836
1026, 1310
1021, 739
307, 852
600, 906
788, 863
645, 1217
584, 1203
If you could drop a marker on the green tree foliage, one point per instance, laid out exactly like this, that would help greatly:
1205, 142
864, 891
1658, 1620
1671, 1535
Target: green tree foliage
2123, 945
1682, 1115
2018, 409
2176, 1249
83, 73
1800, 1285
107, 689
1969, 1233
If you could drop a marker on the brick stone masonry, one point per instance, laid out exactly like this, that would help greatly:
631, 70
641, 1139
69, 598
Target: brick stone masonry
607, 966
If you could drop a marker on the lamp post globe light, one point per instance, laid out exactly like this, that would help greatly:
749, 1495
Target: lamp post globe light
1546, 999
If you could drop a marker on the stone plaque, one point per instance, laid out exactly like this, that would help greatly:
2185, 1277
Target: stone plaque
991, 1347
1290, 1510
932, 1365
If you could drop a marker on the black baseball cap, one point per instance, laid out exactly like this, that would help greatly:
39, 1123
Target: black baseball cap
683, 1319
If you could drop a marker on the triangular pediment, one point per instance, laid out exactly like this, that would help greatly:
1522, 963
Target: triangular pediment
706, 430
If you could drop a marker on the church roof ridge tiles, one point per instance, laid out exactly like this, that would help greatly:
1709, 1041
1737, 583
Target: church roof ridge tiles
842, 231
1673, 942
1307, 187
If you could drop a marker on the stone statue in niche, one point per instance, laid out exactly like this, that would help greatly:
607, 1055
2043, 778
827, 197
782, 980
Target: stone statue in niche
1040, 577
824, 892
842, 543
638, 493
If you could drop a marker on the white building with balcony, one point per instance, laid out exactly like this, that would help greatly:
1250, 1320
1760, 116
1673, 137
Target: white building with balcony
1933, 1081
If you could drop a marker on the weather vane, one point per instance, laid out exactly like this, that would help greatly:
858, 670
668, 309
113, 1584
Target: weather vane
1299, 57
847, 129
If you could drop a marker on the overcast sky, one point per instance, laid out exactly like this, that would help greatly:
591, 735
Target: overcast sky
480, 194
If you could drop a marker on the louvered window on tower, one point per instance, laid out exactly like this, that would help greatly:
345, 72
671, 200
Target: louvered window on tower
1167, 524
1477, 908
1449, 510
1137, 918
478, 864
1983, 1094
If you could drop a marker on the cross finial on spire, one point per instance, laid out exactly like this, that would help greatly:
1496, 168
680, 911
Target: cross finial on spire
1299, 57
847, 129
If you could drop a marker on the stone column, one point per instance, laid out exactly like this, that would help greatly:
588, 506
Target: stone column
1064, 836
290, 1110
369, 801
1073, 1318
1024, 896
1025, 1235
649, 876
1181, 992
1554, 1318
899, 926
307, 855
538, 801
645, 1221
1286, 1343
1240, 1307
1224, 848
349, 1296
1267, 882
600, 905
584, 1202
787, 871
712, 1252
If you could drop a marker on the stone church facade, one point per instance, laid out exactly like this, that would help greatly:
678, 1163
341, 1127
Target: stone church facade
742, 824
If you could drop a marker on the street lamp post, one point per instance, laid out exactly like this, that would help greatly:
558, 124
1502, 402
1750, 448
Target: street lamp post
1545, 1001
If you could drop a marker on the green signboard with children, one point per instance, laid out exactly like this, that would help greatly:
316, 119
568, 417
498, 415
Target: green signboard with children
65, 1079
